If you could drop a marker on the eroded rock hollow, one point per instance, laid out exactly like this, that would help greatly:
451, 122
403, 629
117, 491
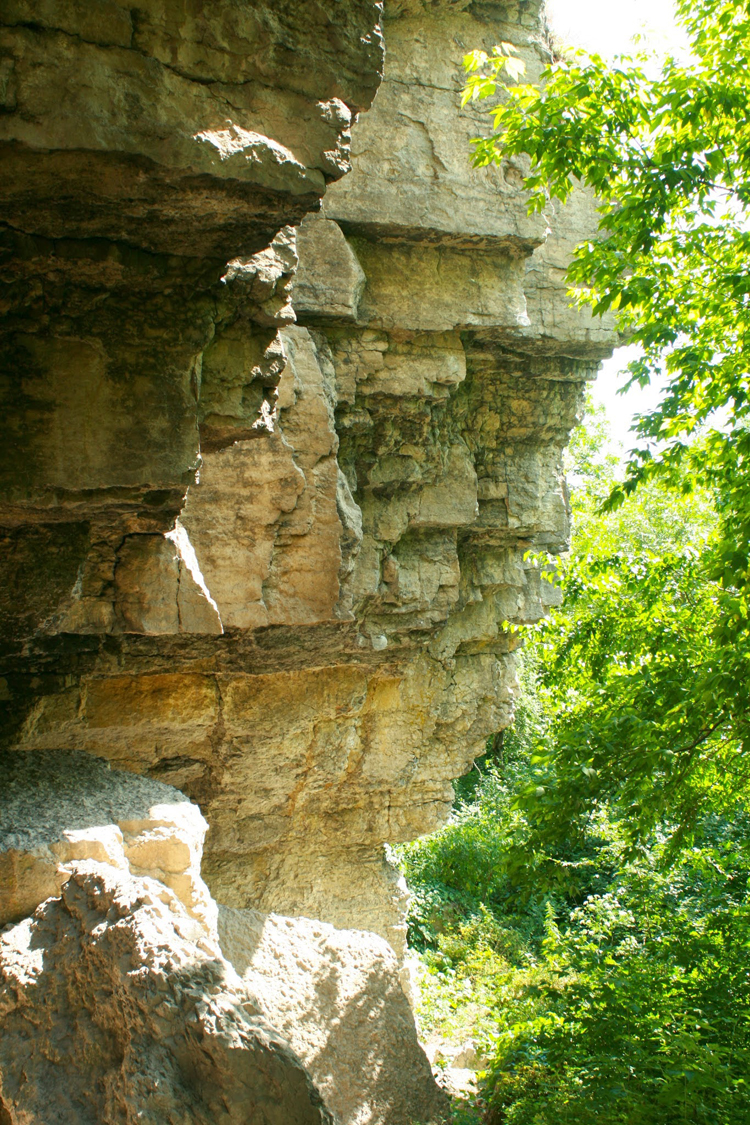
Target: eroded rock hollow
270, 468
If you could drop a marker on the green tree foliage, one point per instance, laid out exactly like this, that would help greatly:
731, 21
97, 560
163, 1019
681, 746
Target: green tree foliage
669, 159
647, 718
643, 1013
586, 911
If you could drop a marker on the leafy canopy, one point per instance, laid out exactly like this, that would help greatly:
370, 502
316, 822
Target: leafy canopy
669, 159
649, 667
650, 718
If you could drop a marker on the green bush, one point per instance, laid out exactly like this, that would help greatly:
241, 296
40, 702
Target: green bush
585, 913
648, 1019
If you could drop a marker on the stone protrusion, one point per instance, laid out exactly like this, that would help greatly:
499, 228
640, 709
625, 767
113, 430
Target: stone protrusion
155, 162
333, 288
60, 810
112, 1011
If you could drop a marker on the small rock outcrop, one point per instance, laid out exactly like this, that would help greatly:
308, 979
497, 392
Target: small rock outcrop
58, 810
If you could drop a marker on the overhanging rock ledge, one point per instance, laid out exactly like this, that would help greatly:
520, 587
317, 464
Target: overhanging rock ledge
271, 470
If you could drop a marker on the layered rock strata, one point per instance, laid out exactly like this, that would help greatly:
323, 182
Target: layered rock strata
272, 563
154, 163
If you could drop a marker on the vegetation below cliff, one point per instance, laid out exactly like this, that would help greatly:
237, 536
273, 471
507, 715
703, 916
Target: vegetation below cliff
585, 917
585, 914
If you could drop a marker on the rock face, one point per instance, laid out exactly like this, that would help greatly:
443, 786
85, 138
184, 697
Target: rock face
155, 161
335, 995
270, 472
269, 562
111, 1013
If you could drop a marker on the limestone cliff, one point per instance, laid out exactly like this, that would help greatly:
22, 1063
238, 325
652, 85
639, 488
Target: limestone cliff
316, 648
270, 471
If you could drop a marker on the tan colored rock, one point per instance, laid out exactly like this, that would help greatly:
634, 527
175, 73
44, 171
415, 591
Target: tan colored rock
146, 584
410, 177
467, 1057
306, 882
426, 288
112, 1012
58, 810
335, 995
427, 365
231, 517
263, 518
556, 322
371, 482
188, 92
155, 163
333, 286
196, 609
303, 583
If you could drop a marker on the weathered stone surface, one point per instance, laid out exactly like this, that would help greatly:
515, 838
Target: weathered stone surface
57, 810
227, 107
112, 1012
410, 179
457, 374
155, 162
335, 995
557, 324
356, 494
330, 281
108, 863
263, 517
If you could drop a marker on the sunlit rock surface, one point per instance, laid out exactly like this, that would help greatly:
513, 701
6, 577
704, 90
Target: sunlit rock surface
111, 1011
58, 810
155, 162
271, 473
336, 996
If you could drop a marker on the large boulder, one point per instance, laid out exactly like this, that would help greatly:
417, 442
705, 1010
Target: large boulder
336, 996
112, 1014
117, 988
